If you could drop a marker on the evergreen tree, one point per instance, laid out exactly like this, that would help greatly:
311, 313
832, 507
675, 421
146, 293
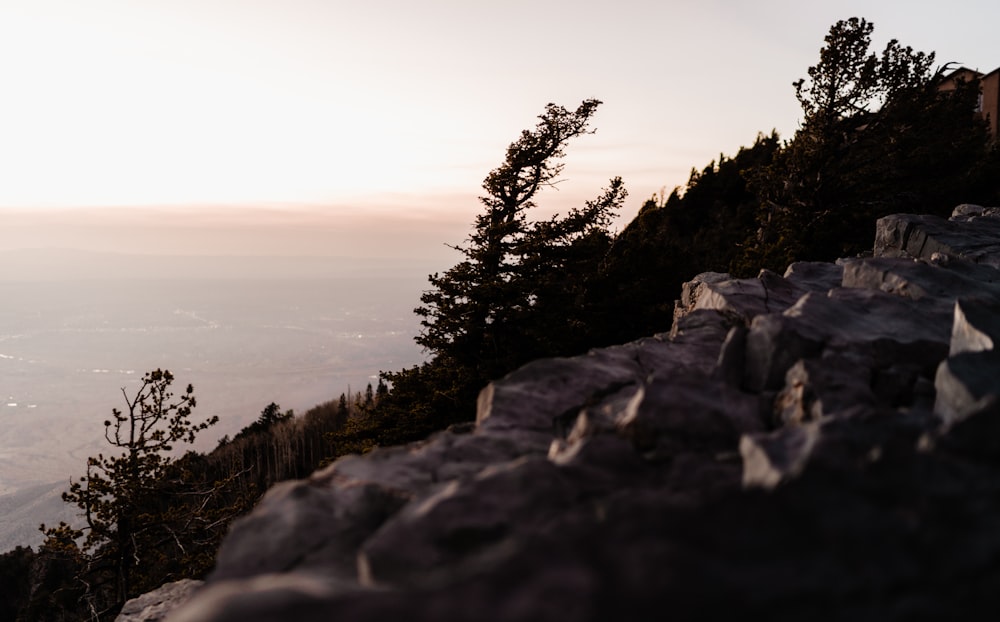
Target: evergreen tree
522, 290
269, 417
475, 309
132, 523
877, 137
342, 410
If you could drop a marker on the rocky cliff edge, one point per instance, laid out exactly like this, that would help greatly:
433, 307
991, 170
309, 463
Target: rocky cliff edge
823, 443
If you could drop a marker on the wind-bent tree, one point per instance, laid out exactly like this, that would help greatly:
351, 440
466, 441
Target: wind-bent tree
479, 303
520, 290
126, 499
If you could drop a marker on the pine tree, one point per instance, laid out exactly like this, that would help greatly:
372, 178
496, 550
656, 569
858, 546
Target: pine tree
476, 308
125, 498
520, 292
877, 137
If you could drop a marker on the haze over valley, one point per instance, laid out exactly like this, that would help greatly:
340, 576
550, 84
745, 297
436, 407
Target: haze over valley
255, 326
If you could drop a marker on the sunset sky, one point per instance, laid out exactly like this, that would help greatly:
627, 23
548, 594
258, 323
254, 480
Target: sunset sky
368, 110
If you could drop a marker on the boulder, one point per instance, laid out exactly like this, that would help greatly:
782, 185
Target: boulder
975, 328
910, 235
885, 327
821, 387
740, 299
966, 385
156, 605
921, 279
815, 276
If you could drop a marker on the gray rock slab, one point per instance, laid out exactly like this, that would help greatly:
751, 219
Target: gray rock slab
851, 443
691, 291
918, 279
305, 524
967, 384
976, 327
769, 459
468, 525
817, 388
677, 414
319, 523
695, 343
886, 327
269, 597
410, 469
969, 212
156, 605
743, 299
814, 276
542, 394
923, 236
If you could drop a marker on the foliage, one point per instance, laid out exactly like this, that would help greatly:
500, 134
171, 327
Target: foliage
182, 508
694, 229
877, 137
497, 307
41, 586
269, 417
15, 569
131, 521
851, 81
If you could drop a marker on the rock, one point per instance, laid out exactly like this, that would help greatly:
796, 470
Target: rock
817, 388
880, 325
732, 355
773, 345
845, 445
462, 528
976, 327
741, 299
969, 212
318, 524
156, 605
814, 276
820, 445
671, 415
918, 279
769, 459
306, 524
966, 385
691, 291
271, 597
541, 394
903, 235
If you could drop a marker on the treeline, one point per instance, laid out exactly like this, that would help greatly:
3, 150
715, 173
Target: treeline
879, 136
174, 517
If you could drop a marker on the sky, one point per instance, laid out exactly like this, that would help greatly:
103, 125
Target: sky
363, 116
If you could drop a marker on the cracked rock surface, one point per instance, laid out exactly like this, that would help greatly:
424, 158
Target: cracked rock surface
819, 445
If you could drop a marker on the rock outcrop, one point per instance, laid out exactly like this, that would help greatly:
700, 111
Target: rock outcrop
819, 445
154, 606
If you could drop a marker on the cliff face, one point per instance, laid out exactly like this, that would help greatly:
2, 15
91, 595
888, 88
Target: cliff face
824, 443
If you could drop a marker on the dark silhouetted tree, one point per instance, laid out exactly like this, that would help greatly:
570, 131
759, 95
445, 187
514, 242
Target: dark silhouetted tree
124, 498
877, 137
473, 307
519, 291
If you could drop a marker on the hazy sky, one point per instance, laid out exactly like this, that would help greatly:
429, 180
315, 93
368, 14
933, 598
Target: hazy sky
390, 105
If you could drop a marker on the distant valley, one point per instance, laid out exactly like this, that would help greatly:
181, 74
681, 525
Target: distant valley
245, 331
